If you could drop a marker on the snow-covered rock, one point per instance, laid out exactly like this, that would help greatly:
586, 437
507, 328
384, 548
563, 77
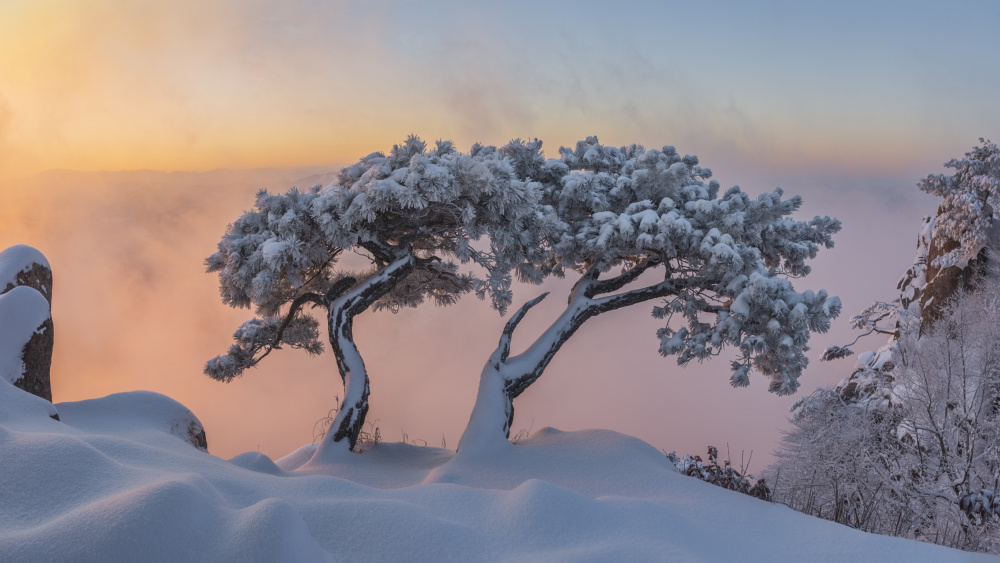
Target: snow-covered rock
24, 265
26, 339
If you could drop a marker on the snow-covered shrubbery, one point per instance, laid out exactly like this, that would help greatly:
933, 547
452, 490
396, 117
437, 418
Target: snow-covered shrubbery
725, 475
909, 444
920, 455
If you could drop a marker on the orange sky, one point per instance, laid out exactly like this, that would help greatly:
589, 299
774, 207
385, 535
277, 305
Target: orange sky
849, 104
114, 84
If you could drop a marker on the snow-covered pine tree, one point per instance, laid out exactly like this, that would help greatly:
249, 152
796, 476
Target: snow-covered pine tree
413, 213
725, 259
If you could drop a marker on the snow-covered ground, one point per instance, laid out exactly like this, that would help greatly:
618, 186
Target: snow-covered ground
118, 480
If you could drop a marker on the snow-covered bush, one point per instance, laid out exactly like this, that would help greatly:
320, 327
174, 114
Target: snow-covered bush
725, 475
918, 457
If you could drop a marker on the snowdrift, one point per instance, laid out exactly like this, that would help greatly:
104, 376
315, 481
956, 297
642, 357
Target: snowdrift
118, 480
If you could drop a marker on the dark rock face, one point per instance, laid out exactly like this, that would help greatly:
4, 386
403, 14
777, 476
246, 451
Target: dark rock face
38, 277
37, 357
196, 435
189, 428
943, 283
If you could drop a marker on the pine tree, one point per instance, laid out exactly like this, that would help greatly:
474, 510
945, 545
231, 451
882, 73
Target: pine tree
614, 214
413, 213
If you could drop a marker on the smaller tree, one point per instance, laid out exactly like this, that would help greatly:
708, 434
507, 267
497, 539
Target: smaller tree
970, 201
412, 213
725, 261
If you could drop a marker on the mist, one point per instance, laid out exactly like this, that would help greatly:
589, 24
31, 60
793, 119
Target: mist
134, 309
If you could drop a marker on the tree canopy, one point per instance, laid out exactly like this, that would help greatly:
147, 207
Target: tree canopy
725, 261
413, 213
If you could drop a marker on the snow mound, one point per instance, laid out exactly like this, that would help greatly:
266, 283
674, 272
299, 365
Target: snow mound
18, 259
114, 484
256, 461
143, 415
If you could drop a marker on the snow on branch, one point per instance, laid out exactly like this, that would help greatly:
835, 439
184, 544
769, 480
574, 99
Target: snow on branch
257, 337
970, 197
868, 321
508, 329
726, 256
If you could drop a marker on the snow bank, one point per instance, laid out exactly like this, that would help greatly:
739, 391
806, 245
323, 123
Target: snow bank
113, 483
22, 312
135, 414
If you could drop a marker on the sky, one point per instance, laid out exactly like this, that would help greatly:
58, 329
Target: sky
133, 132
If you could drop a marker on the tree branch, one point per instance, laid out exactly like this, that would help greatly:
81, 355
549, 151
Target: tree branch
614, 284
338, 289
380, 250
632, 297
508, 330
301, 300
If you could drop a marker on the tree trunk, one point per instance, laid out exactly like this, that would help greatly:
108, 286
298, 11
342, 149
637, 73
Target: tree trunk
489, 425
350, 419
346, 426
504, 378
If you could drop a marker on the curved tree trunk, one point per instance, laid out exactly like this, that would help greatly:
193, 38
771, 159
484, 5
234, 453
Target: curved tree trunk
489, 424
504, 378
347, 424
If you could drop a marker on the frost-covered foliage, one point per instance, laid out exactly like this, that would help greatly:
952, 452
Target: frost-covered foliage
912, 453
725, 475
878, 318
426, 205
725, 261
971, 198
726, 257
255, 339
953, 250
436, 202
414, 213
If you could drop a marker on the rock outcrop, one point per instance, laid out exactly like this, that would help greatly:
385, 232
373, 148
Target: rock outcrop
923, 290
26, 340
930, 286
25, 275
24, 265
